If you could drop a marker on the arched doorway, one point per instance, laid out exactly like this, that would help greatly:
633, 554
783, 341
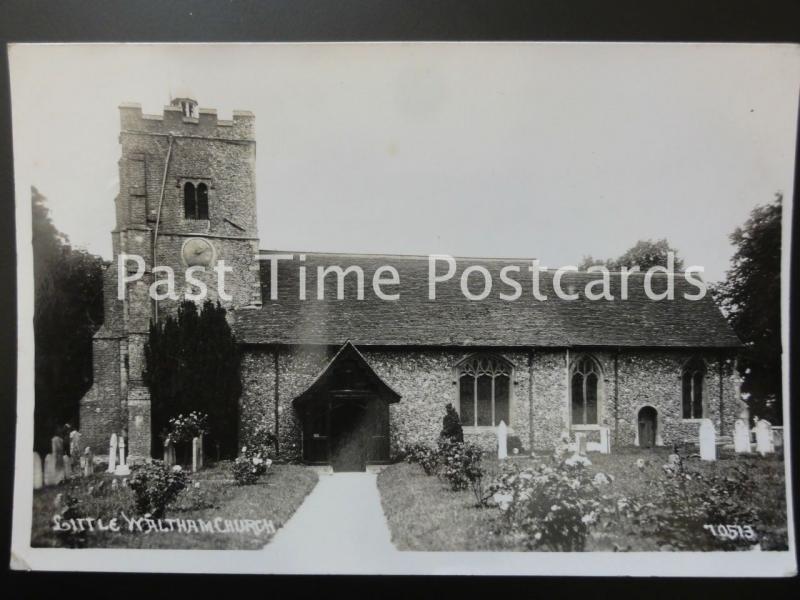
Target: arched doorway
648, 425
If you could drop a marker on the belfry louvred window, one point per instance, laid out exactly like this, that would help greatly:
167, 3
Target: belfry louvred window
484, 387
195, 201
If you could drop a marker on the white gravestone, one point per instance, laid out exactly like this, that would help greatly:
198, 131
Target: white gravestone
75, 448
112, 453
579, 457
169, 453
580, 443
38, 476
605, 441
502, 441
66, 462
57, 450
708, 440
764, 440
122, 467
196, 450
88, 462
50, 470
741, 437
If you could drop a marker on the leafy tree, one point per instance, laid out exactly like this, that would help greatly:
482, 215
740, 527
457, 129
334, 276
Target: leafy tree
644, 254
68, 309
192, 364
750, 297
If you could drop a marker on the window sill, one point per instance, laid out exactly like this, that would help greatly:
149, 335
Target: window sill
699, 420
482, 428
586, 427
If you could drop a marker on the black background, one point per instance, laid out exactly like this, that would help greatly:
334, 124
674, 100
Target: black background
757, 21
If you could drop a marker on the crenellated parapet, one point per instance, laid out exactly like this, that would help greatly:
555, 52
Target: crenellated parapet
174, 121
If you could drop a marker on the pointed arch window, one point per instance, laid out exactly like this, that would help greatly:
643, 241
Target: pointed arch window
692, 383
584, 384
484, 386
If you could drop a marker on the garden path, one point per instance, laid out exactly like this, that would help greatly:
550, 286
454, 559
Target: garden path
340, 525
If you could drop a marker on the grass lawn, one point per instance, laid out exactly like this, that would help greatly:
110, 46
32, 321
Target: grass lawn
274, 497
424, 515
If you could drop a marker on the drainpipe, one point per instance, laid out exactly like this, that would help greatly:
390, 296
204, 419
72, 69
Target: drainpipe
530, 399
276, 397
616, 396
158, 215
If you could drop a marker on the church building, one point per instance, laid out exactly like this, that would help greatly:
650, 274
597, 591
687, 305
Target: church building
350, 381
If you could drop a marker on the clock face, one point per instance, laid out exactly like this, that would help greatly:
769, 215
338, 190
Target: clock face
197, 252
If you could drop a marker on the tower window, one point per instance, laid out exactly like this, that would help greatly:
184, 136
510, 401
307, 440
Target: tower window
195, 201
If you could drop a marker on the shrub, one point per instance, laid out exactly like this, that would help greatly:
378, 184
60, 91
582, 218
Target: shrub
247, 469
155, 486
687, 501
185, 427
425, 456
555, 506
451, 425
260, 443
461, 467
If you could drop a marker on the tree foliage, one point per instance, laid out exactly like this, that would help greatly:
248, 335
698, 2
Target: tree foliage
192, 364
68, 309
750, 297
644, 254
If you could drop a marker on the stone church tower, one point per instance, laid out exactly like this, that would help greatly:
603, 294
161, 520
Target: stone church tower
186, 198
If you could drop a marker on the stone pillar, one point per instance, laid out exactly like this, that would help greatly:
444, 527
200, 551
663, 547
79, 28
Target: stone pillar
502, 441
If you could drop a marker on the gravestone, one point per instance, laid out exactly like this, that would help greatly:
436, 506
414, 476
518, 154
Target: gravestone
197, 463
50, 470
88, 462
605, 441
502, 441
169, 453
114, 484
741, 437
66, 462
122, 467
57, 448
38, 476
777, 437
579, 457
764, 440
112, 453
708, 440
580, 443
75, 448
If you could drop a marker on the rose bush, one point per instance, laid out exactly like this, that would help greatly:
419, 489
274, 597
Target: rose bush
155, 486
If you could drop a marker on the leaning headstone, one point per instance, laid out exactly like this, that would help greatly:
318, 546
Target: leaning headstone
605, 441
502, 440
88, 462
112, 453
122, 467
38, 476
741, 437
708, 440
764, 439
50, 470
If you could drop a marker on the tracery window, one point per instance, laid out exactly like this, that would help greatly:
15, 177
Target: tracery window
692, 380
585, 379
484, 391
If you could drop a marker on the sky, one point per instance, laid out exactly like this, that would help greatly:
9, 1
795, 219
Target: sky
524, 150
